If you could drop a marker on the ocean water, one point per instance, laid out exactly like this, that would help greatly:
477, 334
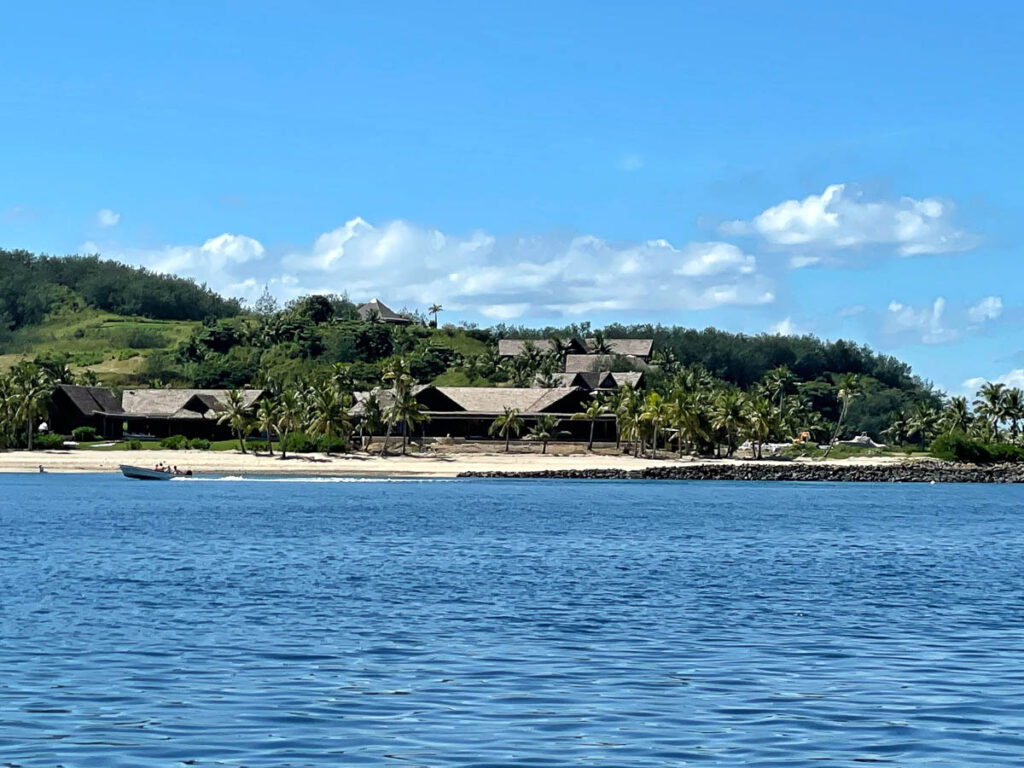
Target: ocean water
501, 623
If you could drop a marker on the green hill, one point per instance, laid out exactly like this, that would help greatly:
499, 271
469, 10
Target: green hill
122, 326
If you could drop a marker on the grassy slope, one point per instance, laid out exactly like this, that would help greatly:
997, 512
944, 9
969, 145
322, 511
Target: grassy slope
96, 341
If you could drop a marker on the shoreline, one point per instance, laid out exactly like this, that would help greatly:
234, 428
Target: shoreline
516, 465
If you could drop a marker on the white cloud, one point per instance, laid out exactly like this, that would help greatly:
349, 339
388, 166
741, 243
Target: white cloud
713, 259
800, 261
925, 324
508, 277
841, 218
853, 309
107, 218
989, 308
784, 327
1014, 378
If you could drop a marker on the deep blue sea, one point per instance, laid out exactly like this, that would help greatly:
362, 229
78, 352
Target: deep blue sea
500, 623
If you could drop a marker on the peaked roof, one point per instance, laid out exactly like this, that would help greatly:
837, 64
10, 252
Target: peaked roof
385, 312
90, 400
171, 403
494, 400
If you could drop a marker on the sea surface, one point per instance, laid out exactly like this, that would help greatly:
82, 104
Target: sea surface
509, 623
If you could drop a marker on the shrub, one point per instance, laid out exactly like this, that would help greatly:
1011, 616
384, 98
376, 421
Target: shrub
48, 442
300, 442
174, 442
84, 434
959, 447
134, 445
199, 444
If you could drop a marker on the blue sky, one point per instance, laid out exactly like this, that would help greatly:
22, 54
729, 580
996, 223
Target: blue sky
845, 171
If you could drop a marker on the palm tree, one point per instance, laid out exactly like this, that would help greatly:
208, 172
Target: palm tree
956, 416
434, 309
685, 416
329, 411
848, 388
267, 413
778, 382
1014, 411
32, 388
655, 409
544, 430
237, 415
760, 422
991, 405
594, 411
729, 418
290, 417
407, 411
921, 421
397, 372
507, 424
599, 345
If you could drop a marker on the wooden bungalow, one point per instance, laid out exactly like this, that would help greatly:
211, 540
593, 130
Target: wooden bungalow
144, 412
469, 412
73, 406
188, 412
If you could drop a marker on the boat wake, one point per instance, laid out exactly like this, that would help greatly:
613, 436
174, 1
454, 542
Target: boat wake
310, 479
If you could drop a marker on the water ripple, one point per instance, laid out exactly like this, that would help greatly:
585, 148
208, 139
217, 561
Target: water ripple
499, 623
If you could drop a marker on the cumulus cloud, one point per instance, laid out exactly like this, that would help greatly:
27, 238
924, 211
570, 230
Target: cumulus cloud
107, 218
989, 308
497, 277
543, 275
842, 218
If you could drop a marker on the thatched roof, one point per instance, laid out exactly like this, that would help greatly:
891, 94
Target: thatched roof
382, 310
515, 347
91, 400
494, 400
633, 378
641, 348
181, 403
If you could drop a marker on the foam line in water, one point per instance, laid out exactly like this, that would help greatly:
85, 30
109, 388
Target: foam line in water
310, 479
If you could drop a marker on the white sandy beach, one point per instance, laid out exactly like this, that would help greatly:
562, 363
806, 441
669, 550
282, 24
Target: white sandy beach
413, 465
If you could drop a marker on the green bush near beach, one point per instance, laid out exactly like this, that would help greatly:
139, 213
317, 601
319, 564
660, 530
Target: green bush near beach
48, 442
84, 434
959, 447
174, 442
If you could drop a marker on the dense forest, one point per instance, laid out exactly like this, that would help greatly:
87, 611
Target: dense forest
819, 385
33, 286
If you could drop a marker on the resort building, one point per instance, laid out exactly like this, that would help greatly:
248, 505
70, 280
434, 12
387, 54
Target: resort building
144, 412
375, 308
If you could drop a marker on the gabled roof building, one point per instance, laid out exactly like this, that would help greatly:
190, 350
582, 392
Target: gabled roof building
377, 308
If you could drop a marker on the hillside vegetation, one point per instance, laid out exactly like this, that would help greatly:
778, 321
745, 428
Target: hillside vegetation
99, 321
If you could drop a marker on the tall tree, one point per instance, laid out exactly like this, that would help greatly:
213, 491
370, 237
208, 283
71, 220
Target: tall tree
434, 310
238, 416
595, 410
506, 425
267, 414
544, 430
847, 388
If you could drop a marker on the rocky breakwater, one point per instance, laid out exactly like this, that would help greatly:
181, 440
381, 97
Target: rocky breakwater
791, 471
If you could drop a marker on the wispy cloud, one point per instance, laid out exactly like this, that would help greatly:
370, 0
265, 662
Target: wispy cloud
107, 218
